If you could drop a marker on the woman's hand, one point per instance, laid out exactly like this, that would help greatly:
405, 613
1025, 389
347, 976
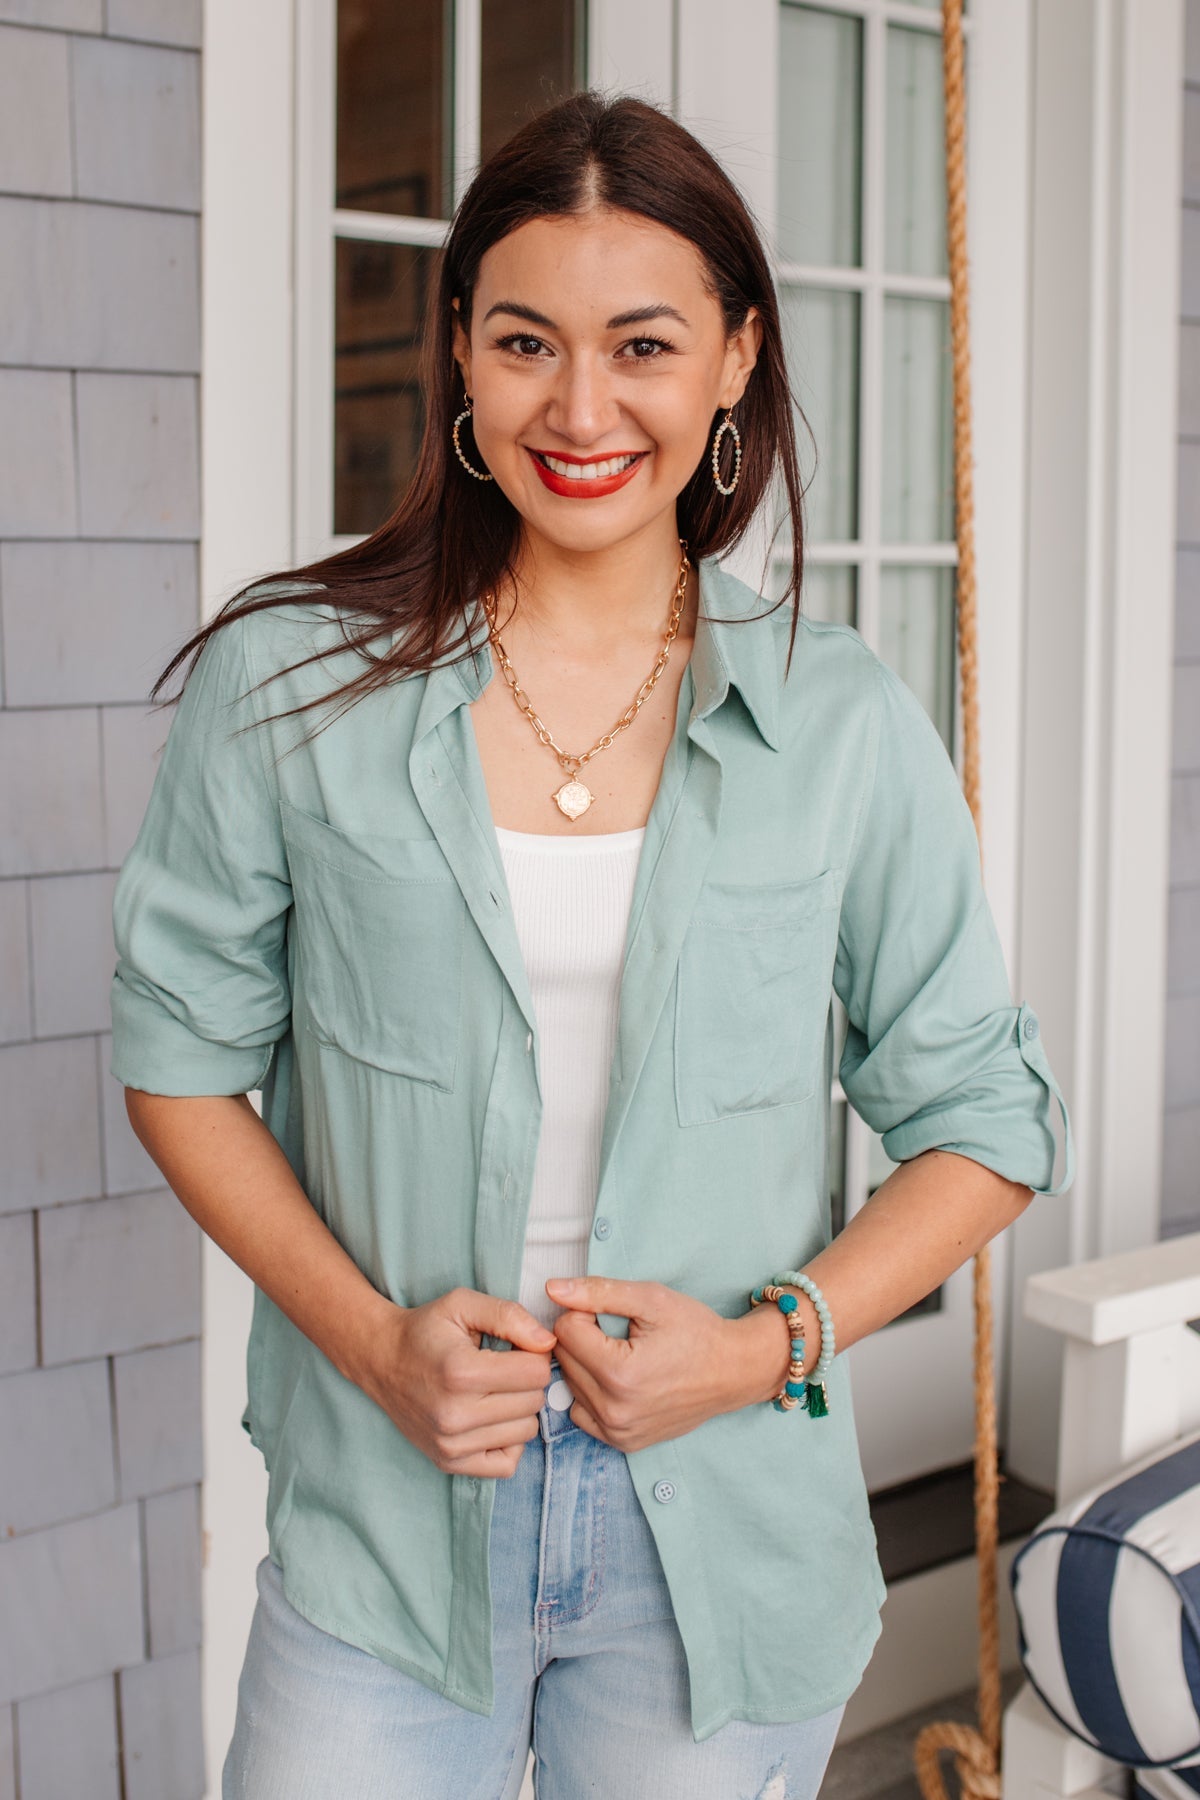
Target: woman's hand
681, 1363
471, 1411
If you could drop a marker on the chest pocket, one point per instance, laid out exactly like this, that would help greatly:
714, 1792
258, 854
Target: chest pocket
379, 924
752, 996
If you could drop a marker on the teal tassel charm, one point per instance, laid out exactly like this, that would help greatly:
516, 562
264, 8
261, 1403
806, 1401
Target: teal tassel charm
816, 1400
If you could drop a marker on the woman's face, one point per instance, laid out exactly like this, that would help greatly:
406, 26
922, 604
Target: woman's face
596, 362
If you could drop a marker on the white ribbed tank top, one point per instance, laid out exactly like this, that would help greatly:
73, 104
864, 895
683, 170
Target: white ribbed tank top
570, 899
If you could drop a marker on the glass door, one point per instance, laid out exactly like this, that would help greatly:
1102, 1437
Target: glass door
863, 281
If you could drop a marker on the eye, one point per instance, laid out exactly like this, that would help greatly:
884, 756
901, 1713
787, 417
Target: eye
521, 344
647, 349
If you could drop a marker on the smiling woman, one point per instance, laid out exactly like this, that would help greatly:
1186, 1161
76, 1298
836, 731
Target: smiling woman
546, 1069
592, 406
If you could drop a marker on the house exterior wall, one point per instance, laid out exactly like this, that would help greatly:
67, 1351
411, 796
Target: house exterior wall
100, 1541
1181, 1120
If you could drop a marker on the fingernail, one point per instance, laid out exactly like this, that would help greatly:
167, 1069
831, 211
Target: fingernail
560, 1287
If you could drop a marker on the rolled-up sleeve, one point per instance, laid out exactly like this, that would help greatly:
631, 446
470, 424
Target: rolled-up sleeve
200, 993
936, 1054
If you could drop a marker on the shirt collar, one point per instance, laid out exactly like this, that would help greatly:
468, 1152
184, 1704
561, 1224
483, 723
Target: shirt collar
735, 649
727, 652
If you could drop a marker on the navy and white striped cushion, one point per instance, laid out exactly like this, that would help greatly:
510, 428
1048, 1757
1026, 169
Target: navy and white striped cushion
1107, 1592
1167, 1784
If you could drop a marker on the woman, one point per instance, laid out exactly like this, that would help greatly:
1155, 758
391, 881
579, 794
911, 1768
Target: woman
542, 991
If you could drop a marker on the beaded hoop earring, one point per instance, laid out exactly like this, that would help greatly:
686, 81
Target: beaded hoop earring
458, 449
726, 424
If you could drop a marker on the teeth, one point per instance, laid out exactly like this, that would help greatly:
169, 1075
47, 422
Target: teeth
597, 471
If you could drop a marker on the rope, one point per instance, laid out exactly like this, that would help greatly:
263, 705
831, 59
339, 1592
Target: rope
976, 1750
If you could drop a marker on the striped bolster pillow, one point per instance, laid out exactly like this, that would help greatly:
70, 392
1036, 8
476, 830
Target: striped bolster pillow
1165, 1784
1107, 1592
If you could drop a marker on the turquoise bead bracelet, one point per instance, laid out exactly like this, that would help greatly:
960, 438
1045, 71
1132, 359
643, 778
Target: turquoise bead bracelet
811, 1393
792, 1392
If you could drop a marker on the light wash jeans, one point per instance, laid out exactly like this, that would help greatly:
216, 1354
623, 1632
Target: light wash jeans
589, 1665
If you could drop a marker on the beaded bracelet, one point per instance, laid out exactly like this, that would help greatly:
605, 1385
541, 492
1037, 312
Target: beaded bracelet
794, 1387
814, 1390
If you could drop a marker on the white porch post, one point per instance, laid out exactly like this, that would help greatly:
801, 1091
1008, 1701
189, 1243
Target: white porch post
246, 450
1103, 333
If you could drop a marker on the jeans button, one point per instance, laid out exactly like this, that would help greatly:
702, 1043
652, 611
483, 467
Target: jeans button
559, 1396
664, 1490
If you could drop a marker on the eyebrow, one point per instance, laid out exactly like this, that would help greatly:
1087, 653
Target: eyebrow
638, 315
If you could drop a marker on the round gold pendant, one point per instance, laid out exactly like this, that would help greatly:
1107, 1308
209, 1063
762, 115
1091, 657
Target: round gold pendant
574, 798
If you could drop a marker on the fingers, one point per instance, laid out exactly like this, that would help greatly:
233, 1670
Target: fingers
607, 1294
583, 1416
490, 1411
528, 1361
505, 1371
464, 1426
457, 1448
494, 1465
587, 1391
476, 1311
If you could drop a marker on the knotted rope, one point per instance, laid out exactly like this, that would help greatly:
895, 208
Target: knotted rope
976, 1751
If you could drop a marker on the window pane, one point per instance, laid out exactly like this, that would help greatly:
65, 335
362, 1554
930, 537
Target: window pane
918, 423
821, 335
531, 51
916, 636
831, 592
837, 1167
830, 589
916, 154
779, 572
379, 305
394, 107
820, 137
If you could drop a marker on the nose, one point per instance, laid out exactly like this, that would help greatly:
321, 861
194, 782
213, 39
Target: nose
583, 405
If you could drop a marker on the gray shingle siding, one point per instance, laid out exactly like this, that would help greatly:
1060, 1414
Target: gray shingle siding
100, 1541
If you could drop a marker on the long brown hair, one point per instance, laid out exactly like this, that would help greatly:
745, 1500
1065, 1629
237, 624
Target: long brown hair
450, 537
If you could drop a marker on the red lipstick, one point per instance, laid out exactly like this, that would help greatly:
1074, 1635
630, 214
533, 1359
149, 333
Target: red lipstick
573, 489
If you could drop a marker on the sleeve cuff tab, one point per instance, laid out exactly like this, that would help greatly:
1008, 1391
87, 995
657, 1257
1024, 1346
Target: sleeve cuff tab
1029, 1038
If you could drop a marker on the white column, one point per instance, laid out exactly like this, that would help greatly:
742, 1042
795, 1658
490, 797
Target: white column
247, 462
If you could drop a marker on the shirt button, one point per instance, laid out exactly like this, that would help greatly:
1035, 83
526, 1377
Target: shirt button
664, 1491
1030, 1026
602, 1228
528, 1042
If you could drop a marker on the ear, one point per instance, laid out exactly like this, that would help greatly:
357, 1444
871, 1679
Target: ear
461, 346
741, 354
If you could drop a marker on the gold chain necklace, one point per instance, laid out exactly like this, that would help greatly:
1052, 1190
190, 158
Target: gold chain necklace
574, 797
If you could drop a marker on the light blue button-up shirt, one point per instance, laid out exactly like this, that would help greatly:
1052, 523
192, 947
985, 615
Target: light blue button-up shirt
333, 924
